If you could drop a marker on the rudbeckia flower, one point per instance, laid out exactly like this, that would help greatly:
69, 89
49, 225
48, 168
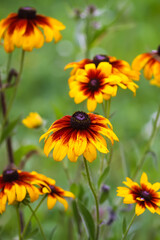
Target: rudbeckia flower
14, 186
105, 73
54, 193
78, 134
150, 62
34, 120
23, 30
144, 195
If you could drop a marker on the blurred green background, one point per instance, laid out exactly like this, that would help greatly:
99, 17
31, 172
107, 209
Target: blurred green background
44, 89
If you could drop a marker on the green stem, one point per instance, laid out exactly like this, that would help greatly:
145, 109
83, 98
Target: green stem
40, 227
129, 226
26, 227
87, 53
94, 195
8, 63
19, 222
15, 87
147, 148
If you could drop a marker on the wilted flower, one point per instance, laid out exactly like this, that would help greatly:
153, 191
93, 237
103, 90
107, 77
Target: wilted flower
150, 62
22, 30
34, 120
145, 195
78, 134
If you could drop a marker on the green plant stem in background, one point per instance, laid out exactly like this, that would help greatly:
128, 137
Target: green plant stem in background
8, 63
15, 87
27, 224
94, 195
19, 222
8, 140
40, 227
129, 226
147, 148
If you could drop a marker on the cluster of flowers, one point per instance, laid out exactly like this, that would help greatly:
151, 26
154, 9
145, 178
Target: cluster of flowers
94, 79
16, 186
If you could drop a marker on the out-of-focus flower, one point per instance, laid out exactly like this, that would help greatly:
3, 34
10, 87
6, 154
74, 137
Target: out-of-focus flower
94, 84
102, 69
145, 195
78, 134
14, 186
34, 120
22, 30
150, 63
54, 193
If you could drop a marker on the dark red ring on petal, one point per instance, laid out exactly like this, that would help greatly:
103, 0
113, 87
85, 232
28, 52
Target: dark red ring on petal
27, 13
100, 58
10, 175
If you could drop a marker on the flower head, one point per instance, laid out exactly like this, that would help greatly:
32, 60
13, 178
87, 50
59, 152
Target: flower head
54, 193
15, 185
78, 134
145, 195
22, 30
34, 120
150, 62
99, 78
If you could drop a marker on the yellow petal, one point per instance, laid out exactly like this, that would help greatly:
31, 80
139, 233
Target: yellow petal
20, 192
51, 201
90, 153
60, 151
63, 201
91, 104
139, 209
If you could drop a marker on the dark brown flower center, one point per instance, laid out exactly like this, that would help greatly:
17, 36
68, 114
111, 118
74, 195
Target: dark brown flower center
93, 84
10, 175
100, 58
145, 195
80, 120
158, 50
55, 190
27, 13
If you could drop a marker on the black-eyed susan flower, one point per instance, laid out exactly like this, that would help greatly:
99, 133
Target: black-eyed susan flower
78, 134
54, 193
150, 63
144, 195
15, 185
34, 120
23, 30
105, 71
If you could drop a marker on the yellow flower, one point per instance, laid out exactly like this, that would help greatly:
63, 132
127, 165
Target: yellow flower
78, 134
99, 78
22, 30
150, 62
14, 186
145, 195
54, 193
33, 120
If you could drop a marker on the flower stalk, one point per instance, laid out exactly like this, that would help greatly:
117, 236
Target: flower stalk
129, 226
94, 195
147, 148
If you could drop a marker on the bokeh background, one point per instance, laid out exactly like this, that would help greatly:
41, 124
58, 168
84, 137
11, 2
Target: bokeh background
44, 89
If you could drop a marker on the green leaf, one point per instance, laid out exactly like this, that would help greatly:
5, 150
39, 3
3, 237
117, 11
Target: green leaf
103, 176
103, 197
124, 225
22, 151
87, 220
52, 233
77, 216
7, 131
31, 233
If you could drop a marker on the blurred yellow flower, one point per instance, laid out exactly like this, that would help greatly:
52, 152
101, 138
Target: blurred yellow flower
150, 63
22, 30
78, 134
145, 195
34, 120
